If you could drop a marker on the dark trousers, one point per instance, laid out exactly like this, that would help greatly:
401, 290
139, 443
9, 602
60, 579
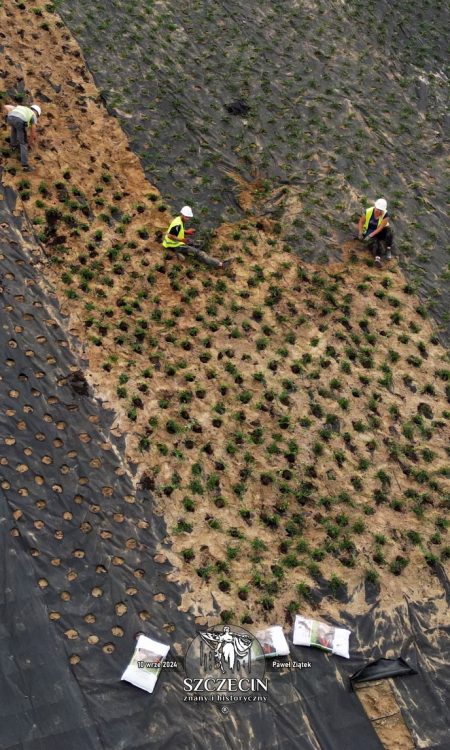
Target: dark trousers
197, 253
381, 242
19, 137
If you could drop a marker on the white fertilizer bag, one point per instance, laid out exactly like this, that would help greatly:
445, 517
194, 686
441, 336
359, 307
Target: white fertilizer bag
320, 634
273, 641
145, 665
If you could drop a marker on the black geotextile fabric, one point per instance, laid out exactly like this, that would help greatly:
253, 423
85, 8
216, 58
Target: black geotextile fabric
419, 633
41, 705
78, 579
382, 668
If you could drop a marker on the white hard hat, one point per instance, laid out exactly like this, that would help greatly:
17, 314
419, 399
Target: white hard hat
187, 211
381, 204
36, 108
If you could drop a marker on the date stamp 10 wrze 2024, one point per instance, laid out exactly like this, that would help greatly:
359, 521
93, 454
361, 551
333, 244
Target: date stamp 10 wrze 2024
289, 664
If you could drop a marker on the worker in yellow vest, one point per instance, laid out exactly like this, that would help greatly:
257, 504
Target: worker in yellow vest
23, 122
178, 238
176, 235
374, 229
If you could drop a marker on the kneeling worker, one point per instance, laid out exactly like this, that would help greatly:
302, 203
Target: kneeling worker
177, 238
374, 229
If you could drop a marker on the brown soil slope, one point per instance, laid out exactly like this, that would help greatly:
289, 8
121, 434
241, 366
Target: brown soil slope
292, 420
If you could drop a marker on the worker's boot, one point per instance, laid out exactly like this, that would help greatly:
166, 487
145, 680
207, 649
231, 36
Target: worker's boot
382, 249
376, 251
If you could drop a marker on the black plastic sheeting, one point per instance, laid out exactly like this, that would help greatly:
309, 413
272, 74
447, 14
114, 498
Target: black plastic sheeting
78, 578
41, 705
419, 634
381, 669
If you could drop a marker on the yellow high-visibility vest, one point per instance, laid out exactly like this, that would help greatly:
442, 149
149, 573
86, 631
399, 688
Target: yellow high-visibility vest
24, 113
369, 213
167, 242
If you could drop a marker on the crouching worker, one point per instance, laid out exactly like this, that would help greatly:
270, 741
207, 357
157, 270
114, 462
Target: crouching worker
23, 122
178, 239
374, 229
